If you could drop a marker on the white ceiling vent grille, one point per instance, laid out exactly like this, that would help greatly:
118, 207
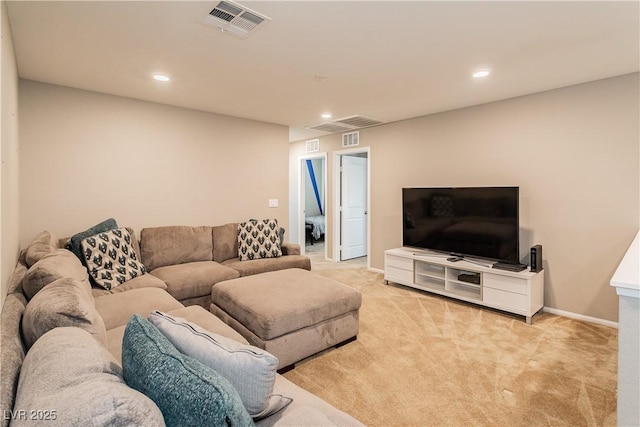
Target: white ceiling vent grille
359, 121
346, 124
350, 139
232, 18
331, 128
313, 145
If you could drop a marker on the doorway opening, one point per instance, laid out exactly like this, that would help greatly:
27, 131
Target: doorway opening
352, 204
312, 208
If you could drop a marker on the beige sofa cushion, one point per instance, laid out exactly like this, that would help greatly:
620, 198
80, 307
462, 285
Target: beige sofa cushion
161, 246
256, 266
41, 245
225, 242
306, 409
116, 309
144, 281
62, 303
193, 279
290, 249
70, 377
55, 265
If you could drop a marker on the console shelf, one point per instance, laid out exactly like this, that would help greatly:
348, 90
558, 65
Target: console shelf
515, 292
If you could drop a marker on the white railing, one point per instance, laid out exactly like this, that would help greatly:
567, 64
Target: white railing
627, 277
627, 283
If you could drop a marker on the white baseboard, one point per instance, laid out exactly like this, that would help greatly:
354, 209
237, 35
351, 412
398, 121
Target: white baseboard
577, 316
376, 270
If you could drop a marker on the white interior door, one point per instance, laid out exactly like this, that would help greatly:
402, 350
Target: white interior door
354, 207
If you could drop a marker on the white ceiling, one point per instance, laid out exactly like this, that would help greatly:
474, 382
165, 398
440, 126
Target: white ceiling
389, 60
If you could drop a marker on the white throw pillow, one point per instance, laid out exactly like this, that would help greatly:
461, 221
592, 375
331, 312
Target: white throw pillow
111, 259
251, 370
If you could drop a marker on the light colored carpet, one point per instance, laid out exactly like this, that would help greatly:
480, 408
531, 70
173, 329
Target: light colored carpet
425, 360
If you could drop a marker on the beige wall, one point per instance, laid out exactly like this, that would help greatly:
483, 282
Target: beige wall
9, 206
573, 152
87, 156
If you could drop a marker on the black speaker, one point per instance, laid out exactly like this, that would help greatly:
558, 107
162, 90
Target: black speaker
536, 258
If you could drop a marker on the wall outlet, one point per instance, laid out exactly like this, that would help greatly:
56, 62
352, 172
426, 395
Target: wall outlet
273, 203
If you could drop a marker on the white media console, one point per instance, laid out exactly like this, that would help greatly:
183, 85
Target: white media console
515, 292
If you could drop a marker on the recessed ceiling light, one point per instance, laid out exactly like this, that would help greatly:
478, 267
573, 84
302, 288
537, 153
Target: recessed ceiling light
480, 74
326, 116
161, 77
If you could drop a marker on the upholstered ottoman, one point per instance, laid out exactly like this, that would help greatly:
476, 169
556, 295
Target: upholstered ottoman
290, 313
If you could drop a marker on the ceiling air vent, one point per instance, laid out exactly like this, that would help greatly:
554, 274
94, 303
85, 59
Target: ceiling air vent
313, 145
350, 139
346, 124
359, 121
232, 18
331, 128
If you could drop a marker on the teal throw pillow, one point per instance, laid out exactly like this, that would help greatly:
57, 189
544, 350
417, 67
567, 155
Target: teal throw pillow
186, 391
76, 240
250, 370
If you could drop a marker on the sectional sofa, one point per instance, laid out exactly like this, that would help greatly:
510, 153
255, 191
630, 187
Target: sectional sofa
67, 346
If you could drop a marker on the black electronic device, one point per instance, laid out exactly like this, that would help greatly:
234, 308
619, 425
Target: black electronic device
509, 266
469, 278
536, 258
478, 222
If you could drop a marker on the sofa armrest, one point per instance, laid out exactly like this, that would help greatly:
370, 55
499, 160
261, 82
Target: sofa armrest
290, 249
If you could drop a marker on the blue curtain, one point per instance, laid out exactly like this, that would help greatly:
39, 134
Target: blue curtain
315, 185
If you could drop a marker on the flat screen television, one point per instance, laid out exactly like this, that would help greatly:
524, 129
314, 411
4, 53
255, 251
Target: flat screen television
478, 222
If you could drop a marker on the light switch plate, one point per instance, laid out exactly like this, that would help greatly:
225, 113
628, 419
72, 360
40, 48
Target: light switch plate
273, 203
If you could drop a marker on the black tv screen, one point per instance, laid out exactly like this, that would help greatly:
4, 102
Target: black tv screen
478, 222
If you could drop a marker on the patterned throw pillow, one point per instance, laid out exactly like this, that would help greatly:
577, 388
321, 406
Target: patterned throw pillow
110, 258
259, 239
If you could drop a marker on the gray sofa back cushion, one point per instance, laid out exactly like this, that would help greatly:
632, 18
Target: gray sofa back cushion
11, 351
171, 245
62, 303
225, 242
55, 265
41, 245
49, 385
